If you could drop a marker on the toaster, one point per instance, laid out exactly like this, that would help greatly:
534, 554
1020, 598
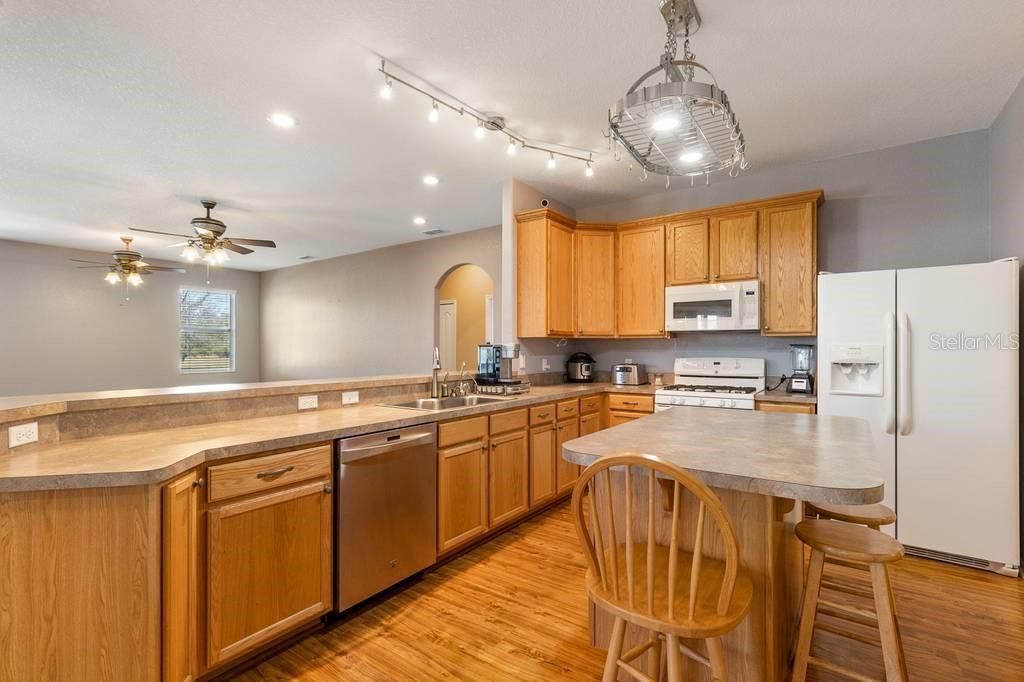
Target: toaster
629, 374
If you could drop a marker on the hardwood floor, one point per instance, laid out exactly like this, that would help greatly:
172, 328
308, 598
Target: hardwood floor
515, 609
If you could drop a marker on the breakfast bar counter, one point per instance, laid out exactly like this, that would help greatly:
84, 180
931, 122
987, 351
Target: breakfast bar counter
762, 465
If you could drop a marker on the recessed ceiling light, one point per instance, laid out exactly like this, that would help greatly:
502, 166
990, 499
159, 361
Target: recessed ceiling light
665, 122
419, 220
691, 157
282, 120
430, 180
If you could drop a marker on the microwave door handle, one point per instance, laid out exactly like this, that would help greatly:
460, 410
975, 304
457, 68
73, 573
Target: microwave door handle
888, 379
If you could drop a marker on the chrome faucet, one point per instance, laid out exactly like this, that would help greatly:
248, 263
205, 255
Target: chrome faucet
434, 392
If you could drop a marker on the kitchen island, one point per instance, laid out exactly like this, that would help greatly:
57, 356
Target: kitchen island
762, 466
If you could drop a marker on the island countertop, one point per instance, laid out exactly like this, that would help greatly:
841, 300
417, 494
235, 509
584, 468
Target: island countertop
797, 456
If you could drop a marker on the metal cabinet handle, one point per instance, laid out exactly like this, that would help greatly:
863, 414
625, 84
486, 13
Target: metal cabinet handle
543, 415
198, 483
328, 489
274, 473
494, 444
627, 402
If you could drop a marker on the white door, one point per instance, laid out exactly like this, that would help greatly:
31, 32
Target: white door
446, 319
489, 318
856, 314
958, 444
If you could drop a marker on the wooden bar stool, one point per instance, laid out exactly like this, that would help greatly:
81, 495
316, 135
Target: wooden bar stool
860, 545
673, 591
873, 516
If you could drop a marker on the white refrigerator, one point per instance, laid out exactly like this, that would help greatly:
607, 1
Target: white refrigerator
929, 357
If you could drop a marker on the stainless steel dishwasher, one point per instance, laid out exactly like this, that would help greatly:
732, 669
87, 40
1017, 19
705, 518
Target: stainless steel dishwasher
387, 510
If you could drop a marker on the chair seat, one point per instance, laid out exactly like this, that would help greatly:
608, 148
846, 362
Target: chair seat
864, 514
706, 621
849, 541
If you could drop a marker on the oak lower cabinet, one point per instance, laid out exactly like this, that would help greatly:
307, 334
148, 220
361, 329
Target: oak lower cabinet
461, 493
269, 556
640, 286
508, 467
626, 407
590, 423
566, 472
789, 269
543, 447
180, 590
792, 408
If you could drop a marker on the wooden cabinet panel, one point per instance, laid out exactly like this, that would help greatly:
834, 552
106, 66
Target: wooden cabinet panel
461, 431
462, 494
271, 471
566, 472
788, 248
542, 414
509, 467
180, 620
567, 408
687, 252
542, 464
532, 275
794, 408
592, 403
590, 423
595, 283
734, 246
503, 422
560, 280
615, 418
629, 402
640, 299
269, 561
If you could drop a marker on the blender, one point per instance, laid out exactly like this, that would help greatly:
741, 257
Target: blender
802, 380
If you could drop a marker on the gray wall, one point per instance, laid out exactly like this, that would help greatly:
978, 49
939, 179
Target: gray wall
916, 205
63, 329
367, 313
1006, 178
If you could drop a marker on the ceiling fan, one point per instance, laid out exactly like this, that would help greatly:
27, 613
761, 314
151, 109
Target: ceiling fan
208, 241
127, 268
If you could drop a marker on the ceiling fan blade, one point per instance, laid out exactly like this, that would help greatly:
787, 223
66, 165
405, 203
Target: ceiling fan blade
176, 245
90, 267
236, 248
166, 234
160, 268
255, 242
141, 264
91, 262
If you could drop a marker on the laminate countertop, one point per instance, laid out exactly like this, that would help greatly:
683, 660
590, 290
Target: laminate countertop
796, 456
152, 457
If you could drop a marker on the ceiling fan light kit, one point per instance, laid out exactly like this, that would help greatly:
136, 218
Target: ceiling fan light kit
680, 126
127, 268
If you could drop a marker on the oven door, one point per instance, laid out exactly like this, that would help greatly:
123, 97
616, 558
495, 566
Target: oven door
703, 307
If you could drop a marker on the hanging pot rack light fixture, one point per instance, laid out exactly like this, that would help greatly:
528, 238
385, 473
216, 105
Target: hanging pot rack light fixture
680, 126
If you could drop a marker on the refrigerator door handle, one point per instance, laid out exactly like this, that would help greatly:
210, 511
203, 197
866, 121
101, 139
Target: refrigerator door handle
889, 362
903, 388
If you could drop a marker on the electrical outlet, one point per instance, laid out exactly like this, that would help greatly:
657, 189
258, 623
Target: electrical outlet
349, 397
308, 402
22, 434
545, 365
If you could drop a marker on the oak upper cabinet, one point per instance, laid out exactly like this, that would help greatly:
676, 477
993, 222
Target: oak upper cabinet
733, 246
595, 280
181, 579
508, 467
544, 245
461, 482
269, 553
640, 300
789, 265
687, 248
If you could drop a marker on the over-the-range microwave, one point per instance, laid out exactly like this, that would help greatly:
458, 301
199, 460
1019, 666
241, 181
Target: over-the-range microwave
729, 306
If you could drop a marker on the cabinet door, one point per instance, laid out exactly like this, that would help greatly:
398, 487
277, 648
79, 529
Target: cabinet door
509, 467
461, 494
269, 560
542, 464
180, 579
595, 283
641, 282
566, 472
788, 269
560, 280
687, 252
616, 418
590, 423
734, 246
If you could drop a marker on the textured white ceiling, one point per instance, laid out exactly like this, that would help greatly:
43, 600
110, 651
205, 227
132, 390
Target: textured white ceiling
125, 112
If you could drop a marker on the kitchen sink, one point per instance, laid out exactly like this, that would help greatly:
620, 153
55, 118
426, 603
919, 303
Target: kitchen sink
439, 404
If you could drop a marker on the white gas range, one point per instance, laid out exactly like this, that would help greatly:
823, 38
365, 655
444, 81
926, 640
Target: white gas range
728, 383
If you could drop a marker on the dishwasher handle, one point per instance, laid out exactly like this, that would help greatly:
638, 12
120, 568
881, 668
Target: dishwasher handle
349, 455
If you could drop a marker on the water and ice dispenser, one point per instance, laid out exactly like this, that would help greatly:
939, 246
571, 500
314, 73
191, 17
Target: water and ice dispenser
855, 369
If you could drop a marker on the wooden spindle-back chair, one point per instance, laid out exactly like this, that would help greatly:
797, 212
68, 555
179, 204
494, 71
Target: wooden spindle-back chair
657, 565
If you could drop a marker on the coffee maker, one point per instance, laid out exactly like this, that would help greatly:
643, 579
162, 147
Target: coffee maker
496, 371
802, 380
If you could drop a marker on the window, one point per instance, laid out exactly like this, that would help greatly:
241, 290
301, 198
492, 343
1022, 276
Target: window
207, 322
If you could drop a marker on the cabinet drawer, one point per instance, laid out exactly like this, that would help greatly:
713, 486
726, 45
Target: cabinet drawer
508, 421
268, 472
461, 431
794, 408
542, 414
568, 408
631, 403
590, 404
